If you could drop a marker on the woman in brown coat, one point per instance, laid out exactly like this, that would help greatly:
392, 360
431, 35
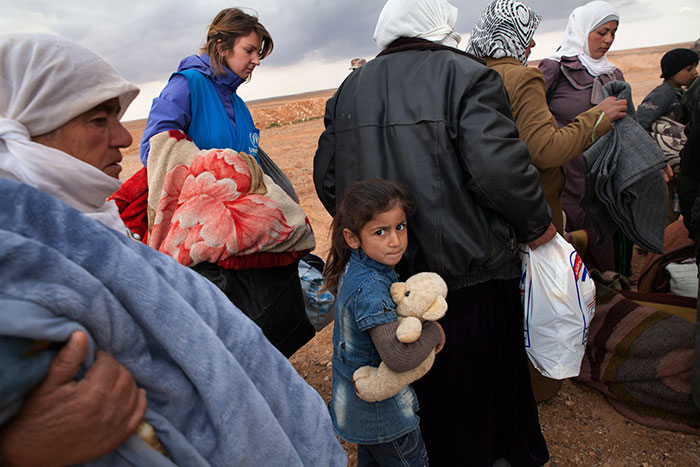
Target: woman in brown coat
503, 37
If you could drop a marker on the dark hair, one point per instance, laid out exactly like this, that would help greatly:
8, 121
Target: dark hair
360, 202
225, 28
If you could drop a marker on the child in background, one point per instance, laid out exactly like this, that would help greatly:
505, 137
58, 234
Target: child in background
679, 69
368, 238
662, 115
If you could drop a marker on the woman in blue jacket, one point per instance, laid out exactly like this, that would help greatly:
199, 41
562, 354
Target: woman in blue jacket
200, 97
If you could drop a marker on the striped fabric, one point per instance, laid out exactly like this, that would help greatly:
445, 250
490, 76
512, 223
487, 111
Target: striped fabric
504, 29
640, 356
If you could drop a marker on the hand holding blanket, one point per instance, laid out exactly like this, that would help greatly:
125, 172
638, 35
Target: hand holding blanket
218, 392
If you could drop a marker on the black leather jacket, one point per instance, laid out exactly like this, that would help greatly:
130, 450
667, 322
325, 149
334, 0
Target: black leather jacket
437, 121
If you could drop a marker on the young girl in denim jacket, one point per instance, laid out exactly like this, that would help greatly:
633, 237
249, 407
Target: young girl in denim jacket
369, 237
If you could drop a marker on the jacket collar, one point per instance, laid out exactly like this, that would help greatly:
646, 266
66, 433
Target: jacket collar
229, 79
361, 257
497, 61
202, 63
413, 43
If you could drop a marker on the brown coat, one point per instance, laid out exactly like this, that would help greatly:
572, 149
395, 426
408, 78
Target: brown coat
550, 146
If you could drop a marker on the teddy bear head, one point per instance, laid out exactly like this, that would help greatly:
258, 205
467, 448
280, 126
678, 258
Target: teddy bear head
422, 295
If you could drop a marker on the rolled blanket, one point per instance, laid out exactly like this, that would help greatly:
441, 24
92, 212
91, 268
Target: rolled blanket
217, 206
640, 356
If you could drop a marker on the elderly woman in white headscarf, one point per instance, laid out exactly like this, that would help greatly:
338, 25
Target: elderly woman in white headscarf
60, 106
435, 119
574, 77
503, 36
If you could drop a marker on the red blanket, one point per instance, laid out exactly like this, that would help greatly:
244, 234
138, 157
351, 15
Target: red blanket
132, 201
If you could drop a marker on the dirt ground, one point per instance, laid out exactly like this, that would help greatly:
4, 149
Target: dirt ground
580, 426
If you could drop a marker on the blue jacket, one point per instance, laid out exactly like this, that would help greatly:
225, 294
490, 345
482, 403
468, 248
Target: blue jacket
171, 109
218, 392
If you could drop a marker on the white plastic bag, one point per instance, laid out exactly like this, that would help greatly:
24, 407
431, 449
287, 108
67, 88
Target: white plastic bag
559, 303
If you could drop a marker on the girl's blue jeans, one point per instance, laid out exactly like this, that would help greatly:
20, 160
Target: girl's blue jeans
406, 451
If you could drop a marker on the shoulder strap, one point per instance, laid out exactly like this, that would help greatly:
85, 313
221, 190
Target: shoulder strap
555, 85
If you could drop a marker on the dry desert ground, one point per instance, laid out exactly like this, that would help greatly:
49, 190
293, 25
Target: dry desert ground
580, 426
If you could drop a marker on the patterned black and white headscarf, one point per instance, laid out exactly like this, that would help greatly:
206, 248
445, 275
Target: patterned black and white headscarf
504, 29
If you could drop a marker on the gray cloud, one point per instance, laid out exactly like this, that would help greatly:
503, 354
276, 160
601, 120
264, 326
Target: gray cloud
145, 41
340, 29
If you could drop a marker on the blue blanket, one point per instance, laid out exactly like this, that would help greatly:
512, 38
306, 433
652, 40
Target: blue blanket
218, 392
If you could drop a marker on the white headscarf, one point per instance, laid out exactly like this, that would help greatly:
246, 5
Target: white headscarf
47, 81
504, 29
582, 21
432, 20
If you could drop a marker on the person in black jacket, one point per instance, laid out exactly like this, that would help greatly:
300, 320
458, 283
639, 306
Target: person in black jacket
689, 197
689, 188
429, 116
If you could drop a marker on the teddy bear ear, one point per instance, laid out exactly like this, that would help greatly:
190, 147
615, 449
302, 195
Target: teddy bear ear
398, 291
436, 310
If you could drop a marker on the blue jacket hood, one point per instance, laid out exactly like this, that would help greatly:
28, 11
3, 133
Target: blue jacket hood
201, 63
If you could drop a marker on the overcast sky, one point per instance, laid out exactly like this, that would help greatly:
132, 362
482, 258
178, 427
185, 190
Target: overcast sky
314, 39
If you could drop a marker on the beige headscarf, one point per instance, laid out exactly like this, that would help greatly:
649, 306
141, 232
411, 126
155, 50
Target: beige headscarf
432, 20
46, 82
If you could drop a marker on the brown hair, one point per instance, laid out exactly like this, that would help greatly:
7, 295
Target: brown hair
360, 202
225, 28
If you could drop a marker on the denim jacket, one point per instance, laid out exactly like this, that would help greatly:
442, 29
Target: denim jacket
363, 302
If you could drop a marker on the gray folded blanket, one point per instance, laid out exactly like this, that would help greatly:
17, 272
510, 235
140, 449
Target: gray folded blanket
623, 184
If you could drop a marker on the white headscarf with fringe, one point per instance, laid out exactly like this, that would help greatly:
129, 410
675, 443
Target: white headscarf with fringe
582, 21
432, 20
47, 81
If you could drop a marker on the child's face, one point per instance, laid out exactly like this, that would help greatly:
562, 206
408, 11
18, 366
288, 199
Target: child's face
684, 77
384, 238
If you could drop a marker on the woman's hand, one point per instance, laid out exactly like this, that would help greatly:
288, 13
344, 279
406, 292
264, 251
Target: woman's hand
64, 421
544, 238
667, 172
613, 108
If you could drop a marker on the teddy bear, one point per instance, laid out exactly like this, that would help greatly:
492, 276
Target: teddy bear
420, 298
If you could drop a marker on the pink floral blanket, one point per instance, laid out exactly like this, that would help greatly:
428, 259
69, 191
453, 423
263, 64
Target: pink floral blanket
218, 206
